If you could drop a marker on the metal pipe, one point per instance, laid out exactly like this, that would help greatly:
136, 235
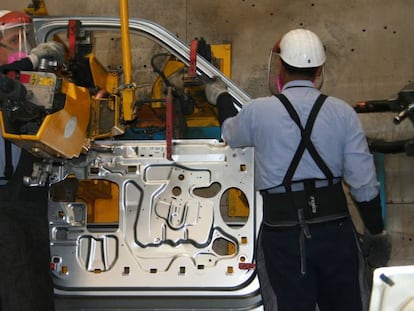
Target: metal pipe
125, 41
128, 89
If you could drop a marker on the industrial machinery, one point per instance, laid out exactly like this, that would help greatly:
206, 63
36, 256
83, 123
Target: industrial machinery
147, 206
402, 105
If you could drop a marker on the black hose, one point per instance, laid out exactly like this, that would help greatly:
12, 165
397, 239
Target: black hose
159, 70
390, 147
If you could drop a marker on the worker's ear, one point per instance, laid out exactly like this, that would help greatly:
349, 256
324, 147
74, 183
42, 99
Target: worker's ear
319, 77
319, 71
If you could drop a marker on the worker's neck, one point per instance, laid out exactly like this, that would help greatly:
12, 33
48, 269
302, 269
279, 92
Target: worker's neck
294, 77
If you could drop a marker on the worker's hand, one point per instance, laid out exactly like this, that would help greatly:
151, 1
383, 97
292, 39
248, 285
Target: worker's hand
376, 249
214, 88
50, 50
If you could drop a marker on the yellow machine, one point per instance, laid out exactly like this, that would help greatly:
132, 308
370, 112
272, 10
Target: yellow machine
62, 133
72, 113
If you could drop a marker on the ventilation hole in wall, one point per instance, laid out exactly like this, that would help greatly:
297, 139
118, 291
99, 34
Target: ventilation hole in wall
385, 27
312, 4
364, 30
253, 5
394, 32
352, 50
301, 24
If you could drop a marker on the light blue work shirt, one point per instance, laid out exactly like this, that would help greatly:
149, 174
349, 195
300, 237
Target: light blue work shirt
337, 135
15, 158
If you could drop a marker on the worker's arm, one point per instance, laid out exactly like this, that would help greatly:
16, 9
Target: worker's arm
50, 50
236, 125
360, 174
23, 64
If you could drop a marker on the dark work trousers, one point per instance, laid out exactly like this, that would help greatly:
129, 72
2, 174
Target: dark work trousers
331, 277
25, 278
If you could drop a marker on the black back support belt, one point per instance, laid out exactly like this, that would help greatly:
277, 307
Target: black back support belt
325, 204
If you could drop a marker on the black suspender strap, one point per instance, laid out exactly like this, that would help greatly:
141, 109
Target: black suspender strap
306, 142
8, 166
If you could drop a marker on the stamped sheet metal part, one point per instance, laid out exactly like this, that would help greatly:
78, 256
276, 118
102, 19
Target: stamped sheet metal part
133, 221
175, 229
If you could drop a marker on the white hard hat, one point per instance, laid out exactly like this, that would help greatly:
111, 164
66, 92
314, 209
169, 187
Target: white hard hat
301, 48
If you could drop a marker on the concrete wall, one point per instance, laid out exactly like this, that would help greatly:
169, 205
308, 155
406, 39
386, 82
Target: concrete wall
369, 45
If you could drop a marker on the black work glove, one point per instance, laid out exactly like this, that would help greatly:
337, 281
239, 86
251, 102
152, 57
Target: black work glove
376, 249
225, 107
370, 212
